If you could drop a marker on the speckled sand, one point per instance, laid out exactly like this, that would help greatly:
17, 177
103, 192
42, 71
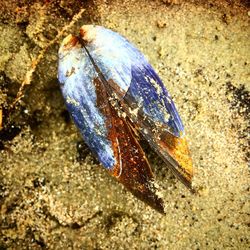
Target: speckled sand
53, 193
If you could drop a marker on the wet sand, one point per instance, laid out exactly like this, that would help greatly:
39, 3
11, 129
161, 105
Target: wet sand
53, 193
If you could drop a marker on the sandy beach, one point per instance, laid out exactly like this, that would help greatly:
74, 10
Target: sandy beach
53, 192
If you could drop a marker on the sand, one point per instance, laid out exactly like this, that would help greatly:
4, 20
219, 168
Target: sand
55, 195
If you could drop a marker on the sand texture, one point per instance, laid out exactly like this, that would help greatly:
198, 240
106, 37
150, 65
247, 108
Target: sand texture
55, 195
